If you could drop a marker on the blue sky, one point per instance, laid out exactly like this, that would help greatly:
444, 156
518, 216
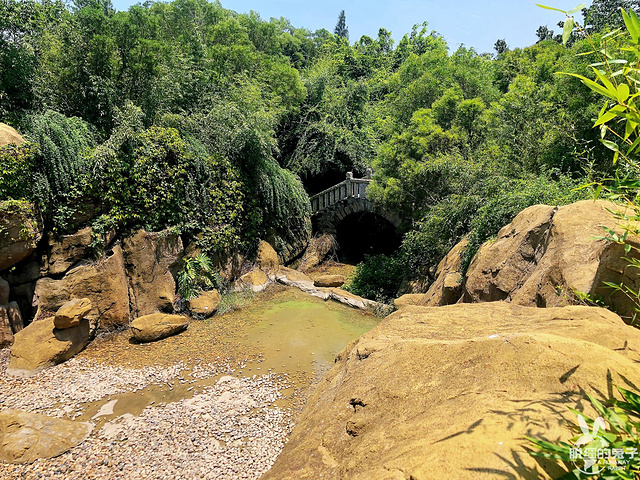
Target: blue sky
473, 23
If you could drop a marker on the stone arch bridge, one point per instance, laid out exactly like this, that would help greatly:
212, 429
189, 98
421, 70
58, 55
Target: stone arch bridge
333, 205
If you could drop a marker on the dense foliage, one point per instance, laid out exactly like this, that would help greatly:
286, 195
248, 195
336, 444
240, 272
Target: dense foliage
188, 115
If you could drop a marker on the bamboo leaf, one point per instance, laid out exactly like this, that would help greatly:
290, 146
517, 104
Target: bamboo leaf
610, 145
606, 82
576, 9
634, 145
605, 118
598, 191
596, 87
630, 127
630, 115
567, 29
623, 92
633, 24
551, 8
600, 64
617, 30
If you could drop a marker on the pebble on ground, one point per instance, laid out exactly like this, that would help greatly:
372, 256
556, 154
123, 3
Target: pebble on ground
232, 429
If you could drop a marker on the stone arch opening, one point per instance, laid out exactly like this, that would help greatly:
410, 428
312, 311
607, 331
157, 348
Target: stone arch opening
365, 233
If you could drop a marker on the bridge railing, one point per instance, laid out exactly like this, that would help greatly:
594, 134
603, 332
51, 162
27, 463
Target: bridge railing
350, 188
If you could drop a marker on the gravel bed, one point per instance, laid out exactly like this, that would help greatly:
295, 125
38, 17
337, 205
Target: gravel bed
230, 430
60, 391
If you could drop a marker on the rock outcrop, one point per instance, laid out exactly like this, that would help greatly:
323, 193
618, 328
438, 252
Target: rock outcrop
9, 135
103, 282
548, 254
294, 278
66, 251
4, 292
10, 317
351, 300
41, 345
26, 437
15, 317
267, 258
450, 392
149, 260
6, 332
205, 304
20, 232
547, 257
23, 282
255, 280
157, 326
412, 299
319, 249
448, 285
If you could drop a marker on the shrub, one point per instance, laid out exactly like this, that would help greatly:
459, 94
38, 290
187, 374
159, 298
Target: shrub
511, 198
62, 167
488, 206
16, 171
154, 178
378, 277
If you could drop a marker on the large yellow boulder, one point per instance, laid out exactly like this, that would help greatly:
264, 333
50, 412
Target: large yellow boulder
320, 249
329, 281
26, 437
9, 135
267, 258
157, 326
548, 254
255, 280
71, 313
450, 393
41, 345
150, 257
294, 278
449, 282
205, 304
67, 250
103, 282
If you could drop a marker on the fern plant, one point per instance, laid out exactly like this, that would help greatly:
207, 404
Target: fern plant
197, 274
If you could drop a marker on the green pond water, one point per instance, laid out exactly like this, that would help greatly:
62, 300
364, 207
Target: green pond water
305, 335
285, 331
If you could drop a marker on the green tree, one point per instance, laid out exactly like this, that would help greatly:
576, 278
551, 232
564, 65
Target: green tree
544, 33
606, 13
501, 46
341, 29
